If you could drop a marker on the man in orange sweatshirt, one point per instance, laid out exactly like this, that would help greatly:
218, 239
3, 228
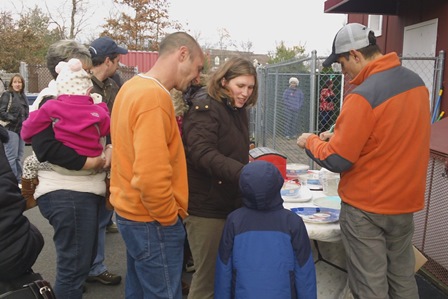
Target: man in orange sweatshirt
149, 189
381, 148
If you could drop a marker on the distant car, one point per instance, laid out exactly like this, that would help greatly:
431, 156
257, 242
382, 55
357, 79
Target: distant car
31, 98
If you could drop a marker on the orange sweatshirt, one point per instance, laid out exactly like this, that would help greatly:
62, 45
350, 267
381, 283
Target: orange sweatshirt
381, 140
149, 173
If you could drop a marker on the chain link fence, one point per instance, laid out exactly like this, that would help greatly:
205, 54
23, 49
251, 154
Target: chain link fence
323, 98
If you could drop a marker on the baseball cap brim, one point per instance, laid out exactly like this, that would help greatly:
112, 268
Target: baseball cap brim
333, 56
330, 60
121, 50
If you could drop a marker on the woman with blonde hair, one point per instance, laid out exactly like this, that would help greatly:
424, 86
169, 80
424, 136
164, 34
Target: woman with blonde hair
216, 140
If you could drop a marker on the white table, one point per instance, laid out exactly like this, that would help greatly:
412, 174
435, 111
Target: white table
326, 232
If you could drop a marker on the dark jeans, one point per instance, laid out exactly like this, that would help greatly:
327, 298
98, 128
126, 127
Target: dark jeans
74, 217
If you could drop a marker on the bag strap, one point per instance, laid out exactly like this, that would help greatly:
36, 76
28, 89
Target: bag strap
9, 103
45, 289
42, 289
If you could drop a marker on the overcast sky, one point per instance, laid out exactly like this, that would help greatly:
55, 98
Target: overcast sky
296, 22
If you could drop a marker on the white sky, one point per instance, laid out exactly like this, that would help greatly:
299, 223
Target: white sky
296, 22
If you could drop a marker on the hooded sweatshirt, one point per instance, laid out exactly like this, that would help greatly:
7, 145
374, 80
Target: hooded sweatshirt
265, 251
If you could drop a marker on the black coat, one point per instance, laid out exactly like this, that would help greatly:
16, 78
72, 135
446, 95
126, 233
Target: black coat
18, 111
216, 140
20, 241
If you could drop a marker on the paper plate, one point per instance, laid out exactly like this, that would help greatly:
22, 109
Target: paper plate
332, 202
317, 215
303, 196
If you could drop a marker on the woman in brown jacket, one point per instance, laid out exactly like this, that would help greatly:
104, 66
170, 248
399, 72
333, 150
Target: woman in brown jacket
216, 140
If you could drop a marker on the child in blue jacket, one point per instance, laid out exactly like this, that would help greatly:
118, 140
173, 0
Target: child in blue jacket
265, 251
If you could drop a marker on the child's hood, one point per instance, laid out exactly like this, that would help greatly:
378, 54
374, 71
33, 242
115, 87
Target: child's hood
260, 184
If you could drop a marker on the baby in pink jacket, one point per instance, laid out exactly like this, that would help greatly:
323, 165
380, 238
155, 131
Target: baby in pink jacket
78, 121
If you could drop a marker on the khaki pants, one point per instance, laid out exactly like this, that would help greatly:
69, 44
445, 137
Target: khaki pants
379, 252
204, 235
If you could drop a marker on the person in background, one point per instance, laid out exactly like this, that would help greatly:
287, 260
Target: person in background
292, 101
14, 110
216, 140
105, 55
149, 188
382, 155
326, 106
69, 202
20, 241
262, 230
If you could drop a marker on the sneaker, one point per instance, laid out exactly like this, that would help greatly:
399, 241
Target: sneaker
105, 278
189, 266
112, 228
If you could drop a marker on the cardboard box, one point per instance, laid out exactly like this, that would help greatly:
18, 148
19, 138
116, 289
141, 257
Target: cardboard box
420, 259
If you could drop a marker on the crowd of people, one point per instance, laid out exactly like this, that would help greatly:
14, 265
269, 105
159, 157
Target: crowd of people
178, 178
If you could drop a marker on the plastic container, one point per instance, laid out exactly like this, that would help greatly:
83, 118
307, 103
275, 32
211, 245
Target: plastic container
290, 189
293, 170
310, 179
329, 181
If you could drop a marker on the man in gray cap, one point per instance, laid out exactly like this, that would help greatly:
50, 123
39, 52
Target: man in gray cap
105, 55
381, 148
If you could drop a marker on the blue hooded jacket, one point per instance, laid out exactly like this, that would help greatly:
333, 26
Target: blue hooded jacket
265, 251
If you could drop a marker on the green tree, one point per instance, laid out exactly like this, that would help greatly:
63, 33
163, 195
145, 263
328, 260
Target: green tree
143, 24
284, 54
26, 39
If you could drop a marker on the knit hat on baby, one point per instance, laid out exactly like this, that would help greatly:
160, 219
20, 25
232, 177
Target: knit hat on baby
72, 78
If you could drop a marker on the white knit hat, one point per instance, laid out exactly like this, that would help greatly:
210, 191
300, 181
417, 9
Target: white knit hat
294, 80
72, 78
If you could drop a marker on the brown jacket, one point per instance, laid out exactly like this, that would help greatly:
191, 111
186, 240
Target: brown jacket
216, 141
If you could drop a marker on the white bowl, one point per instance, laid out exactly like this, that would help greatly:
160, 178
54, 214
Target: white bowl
293, 170
290, 189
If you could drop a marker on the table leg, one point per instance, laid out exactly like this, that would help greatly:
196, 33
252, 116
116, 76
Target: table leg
321, 258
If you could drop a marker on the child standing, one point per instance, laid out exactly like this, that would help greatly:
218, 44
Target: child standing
264, 251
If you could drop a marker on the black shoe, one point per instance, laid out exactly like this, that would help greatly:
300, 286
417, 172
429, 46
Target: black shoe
105, 278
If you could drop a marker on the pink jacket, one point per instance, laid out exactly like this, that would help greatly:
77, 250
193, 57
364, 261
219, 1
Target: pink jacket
77, 122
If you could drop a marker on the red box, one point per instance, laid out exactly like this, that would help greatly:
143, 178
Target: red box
269, 155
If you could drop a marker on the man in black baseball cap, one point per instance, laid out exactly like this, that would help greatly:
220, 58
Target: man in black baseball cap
105, 55
104, 46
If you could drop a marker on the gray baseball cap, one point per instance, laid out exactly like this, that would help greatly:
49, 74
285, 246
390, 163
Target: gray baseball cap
352, 36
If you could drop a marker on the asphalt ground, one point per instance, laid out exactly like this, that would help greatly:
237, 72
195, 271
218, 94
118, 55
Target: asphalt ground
115, 257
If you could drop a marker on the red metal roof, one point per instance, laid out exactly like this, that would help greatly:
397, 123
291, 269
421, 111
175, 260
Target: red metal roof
142, 60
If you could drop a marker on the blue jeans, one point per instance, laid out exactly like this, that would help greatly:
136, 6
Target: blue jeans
154, 258
14, 149
104, 216
74, 217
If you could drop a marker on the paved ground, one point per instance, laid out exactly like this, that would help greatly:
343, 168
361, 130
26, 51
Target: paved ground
115, 258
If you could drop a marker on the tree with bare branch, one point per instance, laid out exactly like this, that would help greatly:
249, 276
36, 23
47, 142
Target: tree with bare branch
141, 24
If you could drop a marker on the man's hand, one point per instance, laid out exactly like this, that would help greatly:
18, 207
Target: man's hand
326, 135
301, 141
108, 156
95, 163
